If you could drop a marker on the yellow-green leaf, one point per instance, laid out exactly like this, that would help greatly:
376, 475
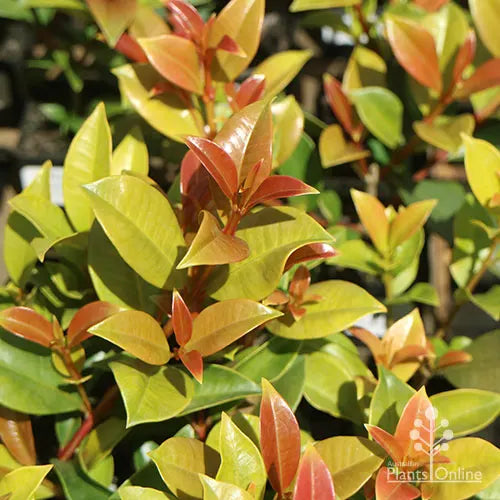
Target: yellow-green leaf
280, 69
288, 120
137, 333
88, 160
364, 69
180, 460
23, 482
165, 112
113, 17
242, 21
351, 461
241, 461
486, 15
342, 303
300, 5
131, 154
222, 323
272, 234
218, 490
150, 393
482, 166
445, 132
334, 150
140, 493
141, 224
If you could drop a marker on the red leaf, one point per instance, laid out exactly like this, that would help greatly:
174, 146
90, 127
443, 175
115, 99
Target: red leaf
431, 5
314, 481
193, 361
89, 315
280, 186
387, 441
465, 56
408, 352
312, 251
228, 44
251, 90
218, 163
279, 438
277, 298
187, 18
297, 312
27, 323
300, 283
387, 487
338, 101
182, 320
453, 358
486, 76
16, 434
258, 173
415, 50
131, 49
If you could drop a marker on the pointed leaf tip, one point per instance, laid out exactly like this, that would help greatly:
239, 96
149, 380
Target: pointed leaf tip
182, 320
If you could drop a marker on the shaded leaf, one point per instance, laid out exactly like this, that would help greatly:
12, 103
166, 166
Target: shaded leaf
17, 435
365, 68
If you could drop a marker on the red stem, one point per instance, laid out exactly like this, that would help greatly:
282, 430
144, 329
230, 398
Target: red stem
67, 451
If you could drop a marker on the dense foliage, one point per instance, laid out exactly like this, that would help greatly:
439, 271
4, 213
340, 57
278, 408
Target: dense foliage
184, 344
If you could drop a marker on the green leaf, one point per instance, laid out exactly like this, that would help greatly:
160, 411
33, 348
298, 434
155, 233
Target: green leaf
280, 69
140, 223
220, 385
22, 483
356, 254
166, 112
351, 461
483, 372
364, 69
424, 293
388, 400
466, 410
330, 206
300, 5
272, 234
330, 388
139, 493
24, 364
241, 462
341, 305
382, 113
469, 457
290, 384
137, 333
218, 490
151, 394
489, 301
482, 164
88, 160
76, 484
113, 279
131, 154
180, 460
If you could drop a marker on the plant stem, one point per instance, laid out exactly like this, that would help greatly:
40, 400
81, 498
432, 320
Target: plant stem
67, 452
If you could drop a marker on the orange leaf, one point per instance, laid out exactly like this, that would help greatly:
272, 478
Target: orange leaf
182, 320
187, 17
251, 90
408, 352
387, 441
485, 77
369, 339
193, 361
465, 56
176, 59
313, 251
431, 5
228, 44
89, 315
218, 163
131, 49
415, 50
16, 434
277, 298
27, 323
314, 481
451, 358
387, 487
300, 283
279, 438
338, 102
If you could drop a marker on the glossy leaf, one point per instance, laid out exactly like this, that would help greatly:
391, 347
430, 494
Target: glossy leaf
415, 50
445, 132
151, 394
17, 435
218, 490
23, 482
486, 17
193, 361
431, 5
280, 69
139, 493
187, 16
335, 150
148, 238
137, 333
300, 5
387, 487
338, 102
270, 244
288, 125
147, 22
381, 111
167, 113
307, 253
242, 21
222, 323
453, 357
251, 90
365, 68
279, 438
241, 463
180, 460
27, 323
113, 17
351, 461
88, 160
176, 59
486, 76
482, 163
182, 321
131, 154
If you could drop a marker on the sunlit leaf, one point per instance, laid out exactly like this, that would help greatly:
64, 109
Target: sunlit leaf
139, 493
300, 5
23, 482
27, 323
288, 126
218, 490
338, 102
335, 150
131, 154
113, 17
387, 487
486, 15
